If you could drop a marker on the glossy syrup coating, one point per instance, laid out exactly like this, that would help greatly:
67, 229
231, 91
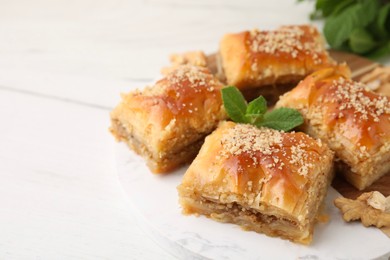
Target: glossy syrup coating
263, 166
189, 92
281, 173
166, 123
359, 115
255, 58
300, 45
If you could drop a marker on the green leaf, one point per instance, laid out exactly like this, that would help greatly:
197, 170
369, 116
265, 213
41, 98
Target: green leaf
235, 104
361, 41
257, 106
325, 8
282, 118
255, 113
338, 27
255, 110
382, 24
329, 7
341, 5
382, 51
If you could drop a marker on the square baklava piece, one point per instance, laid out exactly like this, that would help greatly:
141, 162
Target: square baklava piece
353, 120
271, 62
264, 180
167, 122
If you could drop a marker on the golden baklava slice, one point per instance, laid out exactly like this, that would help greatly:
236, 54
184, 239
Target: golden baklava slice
262, 179
271, 62
167, 122
353, 120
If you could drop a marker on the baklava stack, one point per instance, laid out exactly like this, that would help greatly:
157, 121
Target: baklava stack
261, 62
261, 179
253, 59
167, 123
353, 120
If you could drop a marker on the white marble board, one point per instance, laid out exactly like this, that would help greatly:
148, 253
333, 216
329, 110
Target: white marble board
155, 201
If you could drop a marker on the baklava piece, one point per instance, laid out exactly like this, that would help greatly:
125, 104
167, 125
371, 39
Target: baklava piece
264, 180
167, 123
277, 59
350, 118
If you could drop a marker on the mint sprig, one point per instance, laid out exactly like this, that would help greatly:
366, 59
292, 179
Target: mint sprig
358, 26
255, 112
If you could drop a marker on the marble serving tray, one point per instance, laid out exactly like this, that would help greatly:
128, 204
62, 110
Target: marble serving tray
154, 200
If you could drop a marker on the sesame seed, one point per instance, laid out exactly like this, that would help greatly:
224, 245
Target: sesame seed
290, 40
250, 140
183, 76
356, 97
197, 76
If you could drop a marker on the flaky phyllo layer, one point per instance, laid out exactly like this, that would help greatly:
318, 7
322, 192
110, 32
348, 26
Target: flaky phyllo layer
166, 123
351, 119
262, 179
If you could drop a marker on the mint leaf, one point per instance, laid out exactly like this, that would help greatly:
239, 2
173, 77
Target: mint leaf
329, 7
255, 110
235, 104
382, 24
361, 41
341, 5
346, 21
257, 106
282, 118
338, 27
383, 50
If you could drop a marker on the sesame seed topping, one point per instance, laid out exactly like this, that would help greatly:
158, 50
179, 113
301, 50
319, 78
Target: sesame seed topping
290, 40
244, 138
356, 97
298, 156
274, 154
179, 86
197, 76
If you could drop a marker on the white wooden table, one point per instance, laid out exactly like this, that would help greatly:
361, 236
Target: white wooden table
62, 67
